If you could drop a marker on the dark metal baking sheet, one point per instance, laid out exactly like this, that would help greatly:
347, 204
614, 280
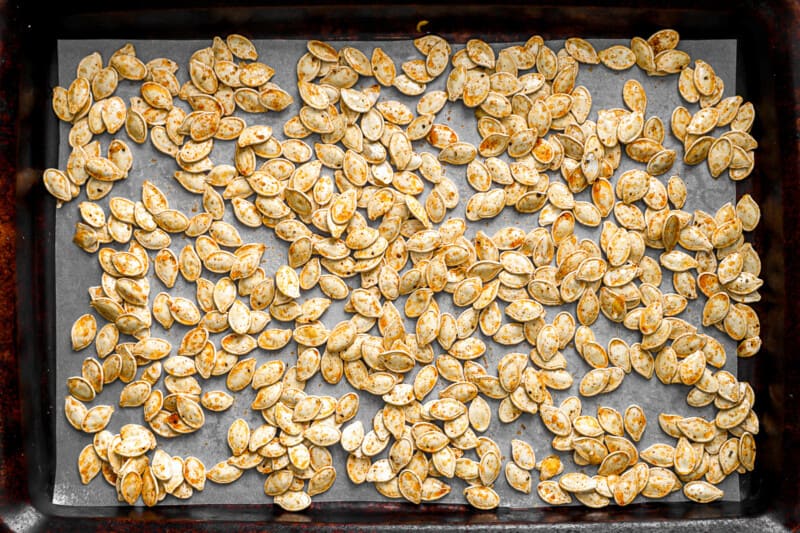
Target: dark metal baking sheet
767, 74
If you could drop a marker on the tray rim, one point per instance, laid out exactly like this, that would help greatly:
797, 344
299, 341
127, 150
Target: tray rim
20, 509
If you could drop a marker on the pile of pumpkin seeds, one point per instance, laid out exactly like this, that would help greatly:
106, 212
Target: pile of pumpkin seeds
366, 222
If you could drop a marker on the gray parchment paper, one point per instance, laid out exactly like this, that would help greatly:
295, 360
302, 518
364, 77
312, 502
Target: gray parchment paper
76, 271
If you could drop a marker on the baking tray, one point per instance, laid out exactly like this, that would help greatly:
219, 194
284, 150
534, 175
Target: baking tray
766, 34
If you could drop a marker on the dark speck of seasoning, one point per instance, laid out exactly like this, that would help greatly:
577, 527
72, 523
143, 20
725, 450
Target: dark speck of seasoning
523, 426
154, 161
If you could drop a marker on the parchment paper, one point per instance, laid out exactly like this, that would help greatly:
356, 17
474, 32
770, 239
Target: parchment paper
76, 271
